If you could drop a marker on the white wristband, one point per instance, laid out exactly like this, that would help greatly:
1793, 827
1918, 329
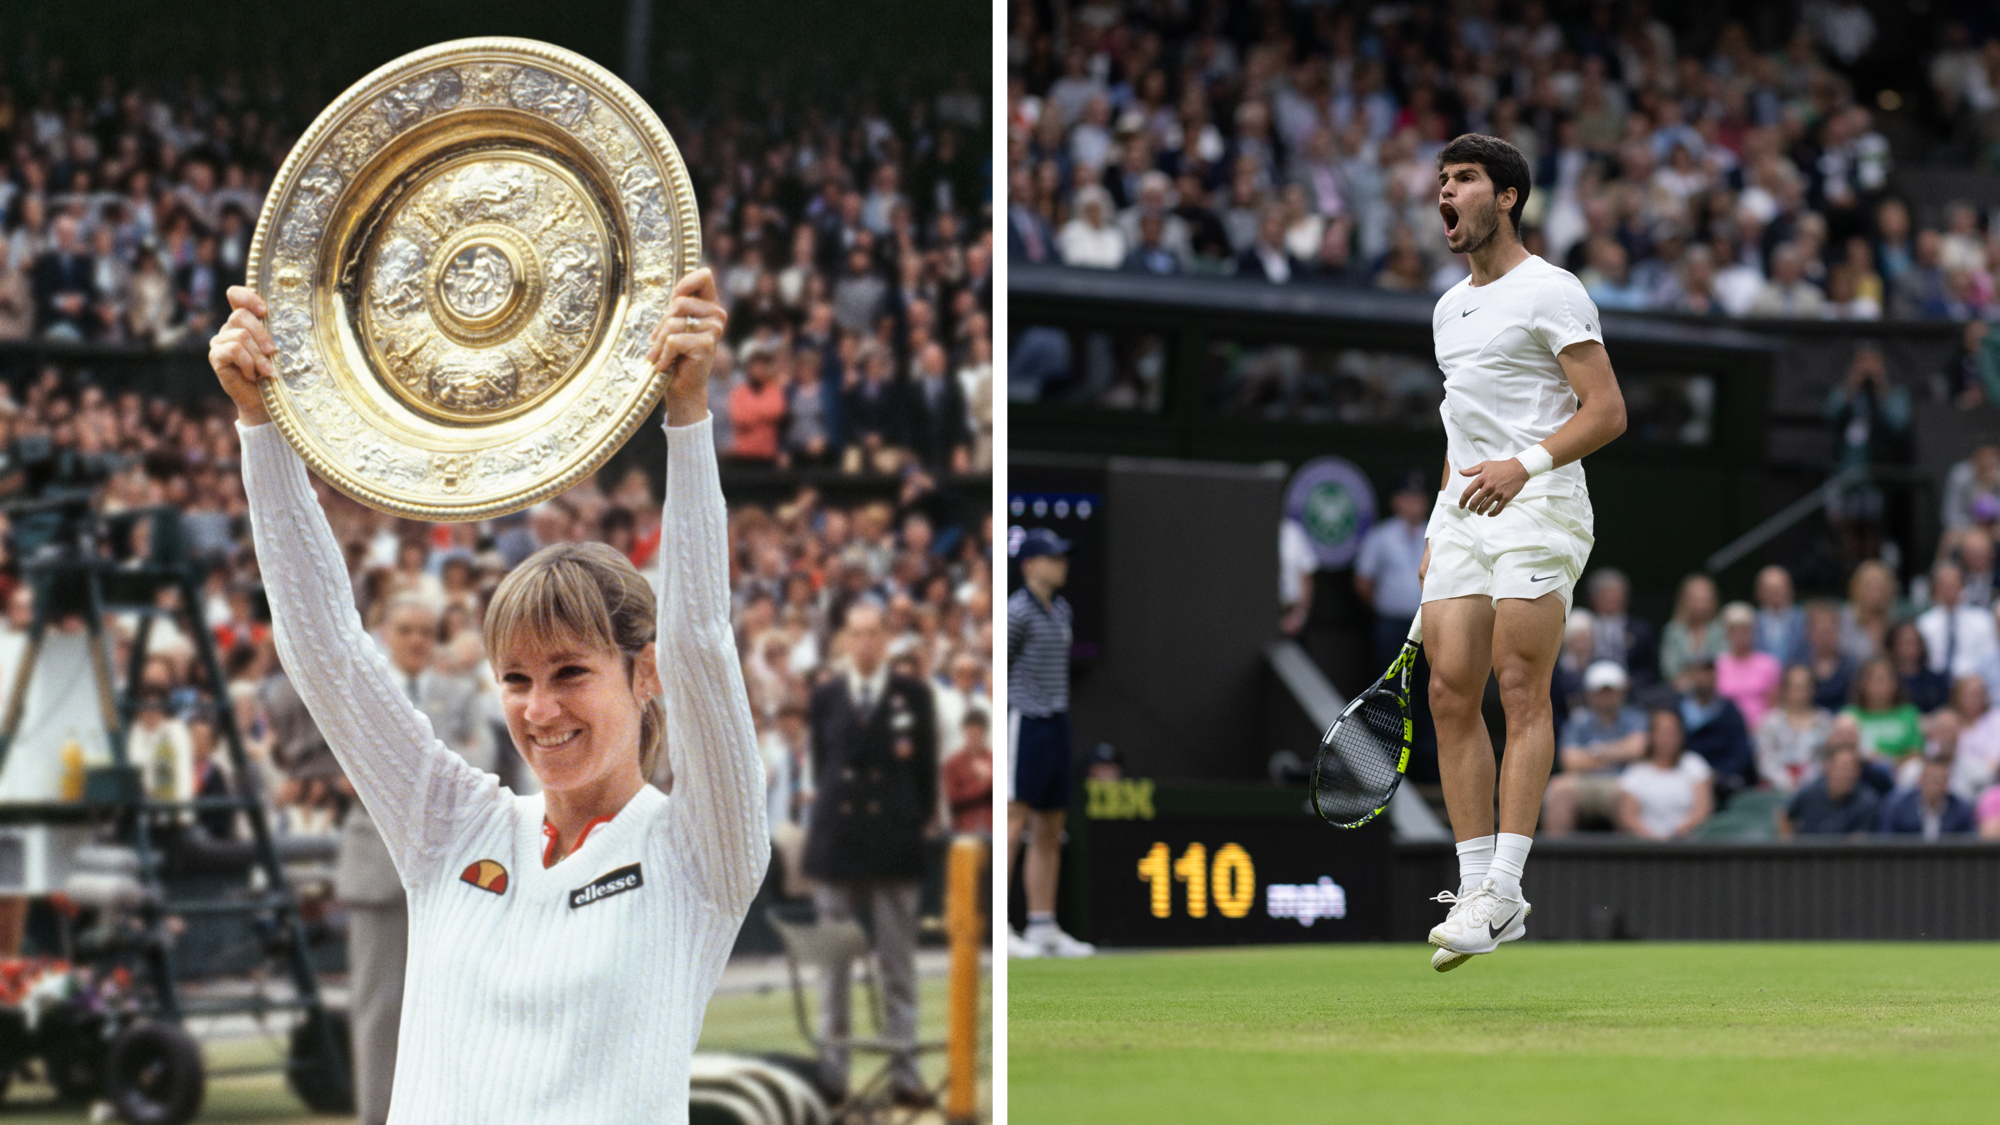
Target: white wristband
1536, 460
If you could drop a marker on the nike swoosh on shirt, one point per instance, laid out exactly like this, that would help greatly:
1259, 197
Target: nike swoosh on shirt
1493, 931
1542, 578
1467, 313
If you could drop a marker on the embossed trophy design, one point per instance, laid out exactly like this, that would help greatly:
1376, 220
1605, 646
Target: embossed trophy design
464, 258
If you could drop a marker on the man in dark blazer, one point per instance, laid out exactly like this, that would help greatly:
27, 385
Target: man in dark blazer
936, 414
63, 291
1621, 638
875, 769
1929, 808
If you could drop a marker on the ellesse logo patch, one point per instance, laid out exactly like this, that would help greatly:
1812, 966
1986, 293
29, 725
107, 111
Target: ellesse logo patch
487, 875
604, 886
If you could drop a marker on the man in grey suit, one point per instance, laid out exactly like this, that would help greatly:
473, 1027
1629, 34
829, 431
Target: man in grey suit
365, 878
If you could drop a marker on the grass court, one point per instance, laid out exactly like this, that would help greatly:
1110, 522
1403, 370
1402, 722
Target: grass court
1548, 1033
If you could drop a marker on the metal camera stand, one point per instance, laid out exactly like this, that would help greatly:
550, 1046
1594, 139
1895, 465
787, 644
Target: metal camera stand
138, 1057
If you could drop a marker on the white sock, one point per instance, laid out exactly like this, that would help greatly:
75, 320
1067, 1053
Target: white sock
1510, 856
1474, 857
1040, 923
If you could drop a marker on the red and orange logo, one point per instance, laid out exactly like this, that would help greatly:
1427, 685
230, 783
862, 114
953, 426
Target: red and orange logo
487, 876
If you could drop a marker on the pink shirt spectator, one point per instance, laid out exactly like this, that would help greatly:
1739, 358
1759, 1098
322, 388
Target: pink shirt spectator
1988, 809
1750, 682
754, 415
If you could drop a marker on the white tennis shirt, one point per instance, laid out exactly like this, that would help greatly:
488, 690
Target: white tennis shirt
1503, 387
562, 995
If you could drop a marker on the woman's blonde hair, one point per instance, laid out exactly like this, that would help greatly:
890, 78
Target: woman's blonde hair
582, 593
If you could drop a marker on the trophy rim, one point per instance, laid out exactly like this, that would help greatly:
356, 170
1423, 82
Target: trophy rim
687, 251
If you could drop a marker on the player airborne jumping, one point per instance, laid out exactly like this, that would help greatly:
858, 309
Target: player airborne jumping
1528, 392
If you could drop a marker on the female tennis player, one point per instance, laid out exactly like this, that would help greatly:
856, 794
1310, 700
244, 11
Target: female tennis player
562, 946
1528, 393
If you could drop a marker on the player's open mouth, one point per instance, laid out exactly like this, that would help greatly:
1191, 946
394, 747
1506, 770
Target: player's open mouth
1450, 214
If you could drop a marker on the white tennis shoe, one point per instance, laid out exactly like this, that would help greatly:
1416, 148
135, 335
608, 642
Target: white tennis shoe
1020, 948
1053, 942
1477, 924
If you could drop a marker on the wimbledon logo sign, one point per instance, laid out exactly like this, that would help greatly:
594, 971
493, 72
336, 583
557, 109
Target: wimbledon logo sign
1332, 499
1308, 902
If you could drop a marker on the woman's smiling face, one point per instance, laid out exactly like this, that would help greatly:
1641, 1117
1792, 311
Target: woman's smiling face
573, 711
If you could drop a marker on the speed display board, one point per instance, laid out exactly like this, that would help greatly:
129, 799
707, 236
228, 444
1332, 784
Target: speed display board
1227, 880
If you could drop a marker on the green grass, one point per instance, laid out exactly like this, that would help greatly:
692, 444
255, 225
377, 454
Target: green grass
749, 1022
1628, 1033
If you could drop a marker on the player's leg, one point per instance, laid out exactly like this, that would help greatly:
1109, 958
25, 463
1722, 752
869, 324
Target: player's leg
1527, 637
1458, 638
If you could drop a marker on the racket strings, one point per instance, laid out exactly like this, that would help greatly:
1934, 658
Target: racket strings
1356, 772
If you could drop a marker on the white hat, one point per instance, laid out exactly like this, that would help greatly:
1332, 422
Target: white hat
1603, 674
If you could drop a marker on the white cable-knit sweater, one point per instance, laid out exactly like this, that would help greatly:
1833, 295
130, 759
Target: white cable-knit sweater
572, 994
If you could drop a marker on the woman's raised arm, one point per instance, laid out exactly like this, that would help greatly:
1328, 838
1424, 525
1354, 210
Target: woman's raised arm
398, 767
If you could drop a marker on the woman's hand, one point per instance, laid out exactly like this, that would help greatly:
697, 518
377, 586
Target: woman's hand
243, 352
684, 345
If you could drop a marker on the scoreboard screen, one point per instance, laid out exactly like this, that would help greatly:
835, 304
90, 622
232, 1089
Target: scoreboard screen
1227, 880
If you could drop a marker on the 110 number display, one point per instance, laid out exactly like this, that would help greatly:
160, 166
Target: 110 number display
1229, 881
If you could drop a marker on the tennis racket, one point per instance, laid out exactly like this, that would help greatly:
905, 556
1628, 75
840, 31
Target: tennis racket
1364, 753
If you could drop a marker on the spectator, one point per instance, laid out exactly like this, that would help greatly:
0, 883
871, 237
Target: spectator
1781, 624
1624, 640
63, 287
1268, 257
968, 779
1572, 661
1788, 293
936, 415
1385, 571
1870, 610
1091, 239
756, 407
1171, 233
1976, 557
1792, 735
1969, 481
1149, 253
1976, 762
1334, 265
1832, 668
1693, 631
1959, 639
1028, 236
1596, 744
1665, 795
1929, 808
874, 416
1712, 727
1891, 728
1745, 676
1869, 419
812, 404
1834, 803
1926, 690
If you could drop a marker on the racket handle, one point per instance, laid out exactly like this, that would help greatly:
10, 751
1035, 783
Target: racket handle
1417, 628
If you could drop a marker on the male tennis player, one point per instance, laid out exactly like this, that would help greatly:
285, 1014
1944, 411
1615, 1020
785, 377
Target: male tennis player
1528, 392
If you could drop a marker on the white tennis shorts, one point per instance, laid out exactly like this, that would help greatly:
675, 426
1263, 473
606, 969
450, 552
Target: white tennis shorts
1532, 548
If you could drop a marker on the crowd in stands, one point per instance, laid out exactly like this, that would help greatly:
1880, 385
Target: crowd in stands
854, 254
1875, 713
1700, 171
797, 569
